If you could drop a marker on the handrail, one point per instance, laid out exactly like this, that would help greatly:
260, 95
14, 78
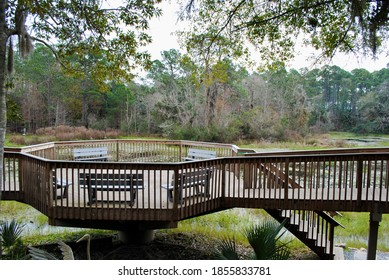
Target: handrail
321, 152
129, 149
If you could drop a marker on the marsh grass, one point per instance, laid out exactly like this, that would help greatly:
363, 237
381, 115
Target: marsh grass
231, 223
36, 229
356, 232
317, 142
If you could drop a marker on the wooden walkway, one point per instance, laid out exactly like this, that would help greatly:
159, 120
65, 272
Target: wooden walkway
333, 180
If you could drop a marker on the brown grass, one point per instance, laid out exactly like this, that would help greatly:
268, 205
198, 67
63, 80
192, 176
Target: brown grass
63, 133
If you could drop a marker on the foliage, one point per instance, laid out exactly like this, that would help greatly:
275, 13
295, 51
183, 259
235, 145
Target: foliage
10, 233
226, 250
264, 239
275, 27
176, 102
10, 236
373, 110
97, 39
62, 133
90, 35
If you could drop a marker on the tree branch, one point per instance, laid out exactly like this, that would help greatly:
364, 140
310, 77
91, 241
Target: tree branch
54, 52
281, 15
231, 14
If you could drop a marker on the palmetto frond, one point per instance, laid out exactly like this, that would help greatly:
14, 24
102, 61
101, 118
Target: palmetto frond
264, 238
226, 250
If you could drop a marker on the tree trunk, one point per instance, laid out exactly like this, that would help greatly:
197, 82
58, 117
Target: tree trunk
3, 108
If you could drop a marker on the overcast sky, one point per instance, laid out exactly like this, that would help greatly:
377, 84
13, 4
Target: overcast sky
162, 30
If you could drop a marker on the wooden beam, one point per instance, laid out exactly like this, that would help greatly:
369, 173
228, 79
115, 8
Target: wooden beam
375, 219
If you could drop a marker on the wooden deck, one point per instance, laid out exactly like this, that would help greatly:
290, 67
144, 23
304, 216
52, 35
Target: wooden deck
337, 180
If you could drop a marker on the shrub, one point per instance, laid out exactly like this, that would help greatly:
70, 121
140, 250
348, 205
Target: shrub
264, 239
10, 236
67, 133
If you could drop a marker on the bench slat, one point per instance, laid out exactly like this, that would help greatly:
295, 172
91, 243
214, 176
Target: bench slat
196, 154
189, 179
84, 154
111, 182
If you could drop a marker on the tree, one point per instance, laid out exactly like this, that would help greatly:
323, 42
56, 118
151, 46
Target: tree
110, 32
41, 87
275, 27
174, 82
374, 111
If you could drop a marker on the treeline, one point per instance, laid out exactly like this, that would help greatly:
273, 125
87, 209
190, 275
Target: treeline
183, 99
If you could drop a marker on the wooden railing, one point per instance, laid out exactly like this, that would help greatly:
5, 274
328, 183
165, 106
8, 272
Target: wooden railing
325, 181
131, 150
344, 181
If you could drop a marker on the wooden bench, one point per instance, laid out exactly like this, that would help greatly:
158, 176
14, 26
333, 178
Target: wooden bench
110, 182
198, 178
197, 154
91, 154
61, 185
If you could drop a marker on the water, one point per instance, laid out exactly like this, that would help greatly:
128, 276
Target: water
361, 254
32, 228
33, 222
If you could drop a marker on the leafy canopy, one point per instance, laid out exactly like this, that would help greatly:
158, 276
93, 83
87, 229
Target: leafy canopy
275, 27
99, 37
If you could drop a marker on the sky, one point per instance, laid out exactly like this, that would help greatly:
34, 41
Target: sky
162, 30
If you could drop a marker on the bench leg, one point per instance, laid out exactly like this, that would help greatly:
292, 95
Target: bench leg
171, 198
206, 188
170, 195
180, 196
55, 190
63, 189
133, 198
91, 196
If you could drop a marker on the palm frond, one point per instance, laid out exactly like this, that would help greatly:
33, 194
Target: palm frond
264, 239
10, 233
38, 254
226, 250
66, 250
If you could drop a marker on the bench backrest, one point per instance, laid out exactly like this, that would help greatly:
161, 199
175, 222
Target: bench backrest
200, 154
193, 177
110, 179
85, 153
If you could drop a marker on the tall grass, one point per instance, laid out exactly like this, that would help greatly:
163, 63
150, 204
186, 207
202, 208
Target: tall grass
36, 229
356, 232
60, 133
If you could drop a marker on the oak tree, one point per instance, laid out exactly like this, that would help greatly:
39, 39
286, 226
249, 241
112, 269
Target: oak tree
107, 34
274, 28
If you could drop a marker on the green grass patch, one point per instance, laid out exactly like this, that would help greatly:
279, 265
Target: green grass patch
356, 232
13, 209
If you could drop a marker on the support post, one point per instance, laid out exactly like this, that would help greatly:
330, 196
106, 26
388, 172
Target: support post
375, 219
137, 236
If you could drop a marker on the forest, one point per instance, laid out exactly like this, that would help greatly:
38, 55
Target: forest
179, 99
